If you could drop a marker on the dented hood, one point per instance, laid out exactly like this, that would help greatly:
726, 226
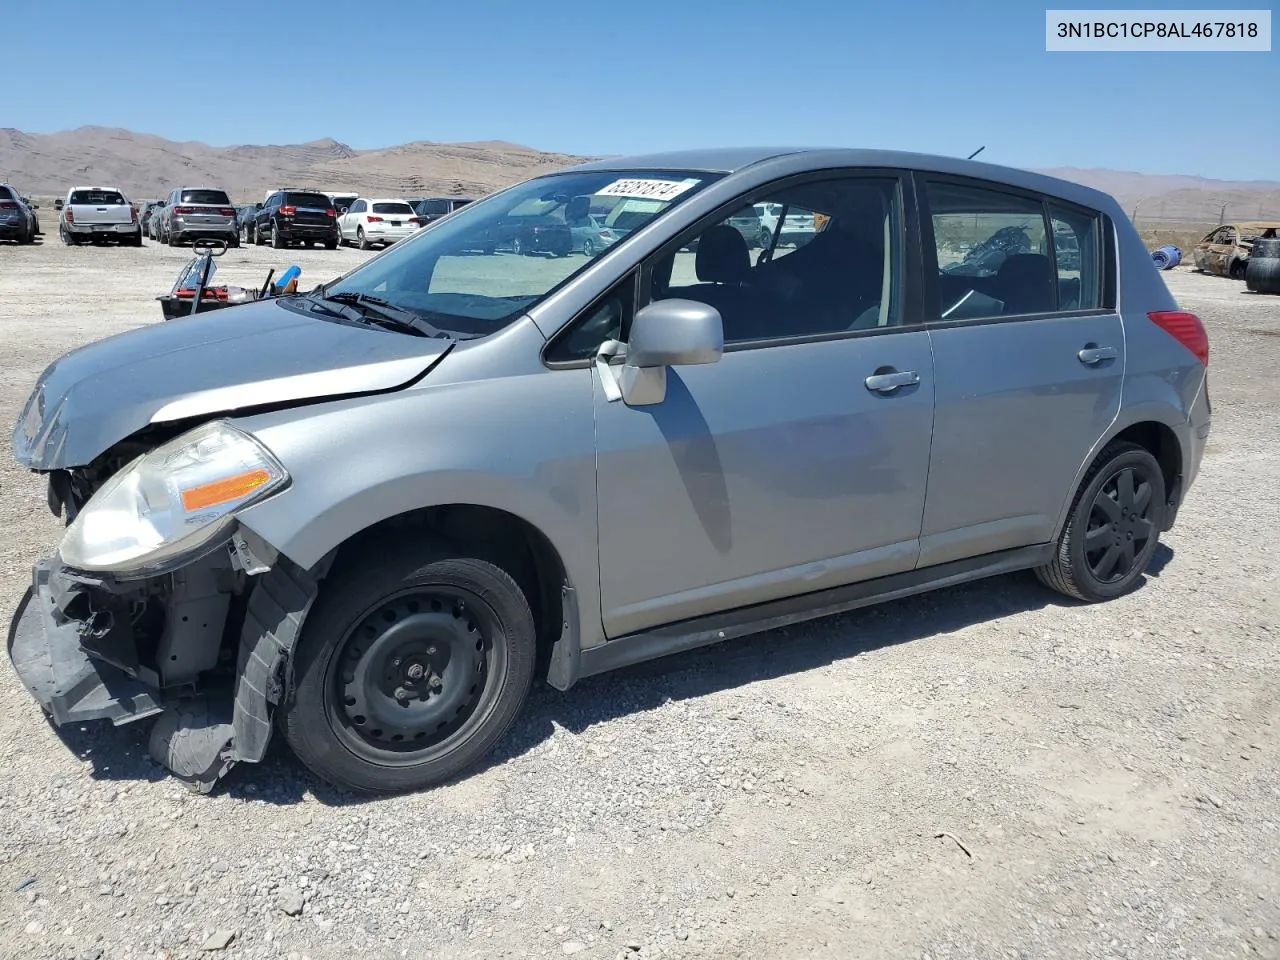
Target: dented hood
222, 361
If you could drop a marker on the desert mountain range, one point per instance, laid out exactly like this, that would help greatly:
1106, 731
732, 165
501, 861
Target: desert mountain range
144, 166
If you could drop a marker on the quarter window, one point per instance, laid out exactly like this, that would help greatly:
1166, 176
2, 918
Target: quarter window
1077, 238
808, 260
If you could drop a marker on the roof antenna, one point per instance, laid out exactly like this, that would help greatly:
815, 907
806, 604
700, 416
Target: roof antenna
976, 152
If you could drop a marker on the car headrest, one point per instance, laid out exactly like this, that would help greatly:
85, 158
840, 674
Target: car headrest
1026, 282
1027, 268
722, 256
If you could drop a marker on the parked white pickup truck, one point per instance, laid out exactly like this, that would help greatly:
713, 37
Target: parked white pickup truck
98, 214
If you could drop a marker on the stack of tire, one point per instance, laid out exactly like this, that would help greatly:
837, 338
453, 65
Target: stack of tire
1263, 273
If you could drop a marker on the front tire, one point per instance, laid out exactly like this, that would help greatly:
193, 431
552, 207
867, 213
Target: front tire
412, 664
1113, 528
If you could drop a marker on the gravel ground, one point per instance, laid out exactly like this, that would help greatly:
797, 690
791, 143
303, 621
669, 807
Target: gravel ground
1023, 778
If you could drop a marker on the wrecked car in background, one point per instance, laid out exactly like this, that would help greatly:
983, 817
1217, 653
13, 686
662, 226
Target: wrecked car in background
1225, 251
368, 514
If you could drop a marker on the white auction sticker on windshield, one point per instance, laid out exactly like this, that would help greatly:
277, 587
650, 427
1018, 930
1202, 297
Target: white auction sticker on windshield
648, 189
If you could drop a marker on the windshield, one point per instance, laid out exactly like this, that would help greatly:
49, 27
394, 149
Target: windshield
393, 207
476, 271
216, 197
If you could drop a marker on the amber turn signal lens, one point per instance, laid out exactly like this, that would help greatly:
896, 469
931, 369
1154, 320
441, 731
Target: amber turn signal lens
223, 491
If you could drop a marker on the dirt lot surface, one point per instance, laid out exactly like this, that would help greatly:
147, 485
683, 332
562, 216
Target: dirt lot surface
987, 771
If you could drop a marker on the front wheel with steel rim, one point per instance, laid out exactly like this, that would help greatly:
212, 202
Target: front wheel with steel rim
409, 669
1113, 528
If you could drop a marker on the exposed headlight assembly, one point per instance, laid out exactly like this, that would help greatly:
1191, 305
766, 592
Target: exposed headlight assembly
171, 504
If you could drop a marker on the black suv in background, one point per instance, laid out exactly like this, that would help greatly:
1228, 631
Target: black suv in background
433, 208
296, 216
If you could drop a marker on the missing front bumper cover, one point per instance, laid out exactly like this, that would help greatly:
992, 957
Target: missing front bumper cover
69, 685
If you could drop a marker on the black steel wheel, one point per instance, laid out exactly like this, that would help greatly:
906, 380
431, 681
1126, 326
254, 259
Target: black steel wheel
1113, 528
409, 669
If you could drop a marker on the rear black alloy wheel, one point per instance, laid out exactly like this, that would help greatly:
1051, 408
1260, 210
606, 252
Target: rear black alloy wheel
409, 669
1113, 528
1119, 525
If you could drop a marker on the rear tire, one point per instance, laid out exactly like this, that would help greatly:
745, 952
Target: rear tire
361, 240
175, 241
411, 666
331, 244
276, 242
1113, 528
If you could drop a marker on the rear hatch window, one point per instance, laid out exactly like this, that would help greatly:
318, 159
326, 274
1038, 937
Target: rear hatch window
211, 197
100, 198
317, 200
403, 208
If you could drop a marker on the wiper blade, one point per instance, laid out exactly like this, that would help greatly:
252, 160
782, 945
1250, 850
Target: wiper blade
386, 314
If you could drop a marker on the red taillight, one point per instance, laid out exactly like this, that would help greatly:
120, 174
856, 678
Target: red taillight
418, 220
71, 215
331, 212
184, 211
605, 235
133, 214
227, 211
374, 219
288, 211
8, 205
1186, 328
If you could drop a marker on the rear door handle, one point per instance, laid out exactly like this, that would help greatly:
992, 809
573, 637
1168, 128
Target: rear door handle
889, 382
1093, 354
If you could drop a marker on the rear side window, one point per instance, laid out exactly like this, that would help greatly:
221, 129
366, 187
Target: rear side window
101, 198
318, 200
1004, 254
402, 208
216, 197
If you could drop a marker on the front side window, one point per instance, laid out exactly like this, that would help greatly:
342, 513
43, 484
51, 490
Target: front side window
773, 272
477, 271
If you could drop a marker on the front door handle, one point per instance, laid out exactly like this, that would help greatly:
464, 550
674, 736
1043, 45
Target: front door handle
891, 381
1093, 354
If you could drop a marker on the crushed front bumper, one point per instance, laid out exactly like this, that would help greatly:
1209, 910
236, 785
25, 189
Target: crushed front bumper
69, 684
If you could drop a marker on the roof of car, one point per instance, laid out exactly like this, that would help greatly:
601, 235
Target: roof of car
733, 159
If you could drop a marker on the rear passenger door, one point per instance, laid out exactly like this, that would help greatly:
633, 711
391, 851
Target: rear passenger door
1028, 362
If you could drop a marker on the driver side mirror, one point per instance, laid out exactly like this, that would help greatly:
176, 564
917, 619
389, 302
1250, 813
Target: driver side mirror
666, 333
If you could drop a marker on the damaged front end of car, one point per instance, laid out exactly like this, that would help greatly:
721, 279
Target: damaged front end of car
158, 602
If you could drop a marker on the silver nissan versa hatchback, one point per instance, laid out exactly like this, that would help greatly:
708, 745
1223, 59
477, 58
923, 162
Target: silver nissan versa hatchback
371, 513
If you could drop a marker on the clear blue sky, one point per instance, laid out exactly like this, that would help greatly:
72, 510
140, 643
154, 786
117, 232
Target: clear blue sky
602, 77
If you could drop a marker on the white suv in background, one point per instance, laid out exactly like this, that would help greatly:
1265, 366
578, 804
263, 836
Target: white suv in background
382, 221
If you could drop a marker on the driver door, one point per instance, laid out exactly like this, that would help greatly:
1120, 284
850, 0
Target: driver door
786, 466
